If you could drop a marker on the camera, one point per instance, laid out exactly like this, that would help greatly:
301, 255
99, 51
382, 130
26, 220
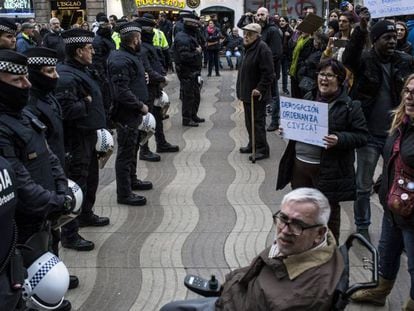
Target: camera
344, 6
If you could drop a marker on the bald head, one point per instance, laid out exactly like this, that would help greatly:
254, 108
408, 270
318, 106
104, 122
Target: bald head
262, 16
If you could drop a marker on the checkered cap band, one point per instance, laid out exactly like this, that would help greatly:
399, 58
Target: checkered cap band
13, 68
78, 40
40, 274
125, 30
7, 29
42, 61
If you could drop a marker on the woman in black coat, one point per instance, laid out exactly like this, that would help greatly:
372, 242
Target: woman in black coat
397, 231
213, 36
329, 169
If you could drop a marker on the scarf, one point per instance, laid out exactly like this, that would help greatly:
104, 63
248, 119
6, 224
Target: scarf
210, 30
296, 52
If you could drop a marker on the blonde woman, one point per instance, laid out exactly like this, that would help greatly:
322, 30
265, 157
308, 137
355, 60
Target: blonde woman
397, 231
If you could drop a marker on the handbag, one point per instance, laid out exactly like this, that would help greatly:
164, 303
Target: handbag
400, 197
307, 84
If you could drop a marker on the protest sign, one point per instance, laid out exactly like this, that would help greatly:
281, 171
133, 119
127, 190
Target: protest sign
304, 120
384, 8
310, 23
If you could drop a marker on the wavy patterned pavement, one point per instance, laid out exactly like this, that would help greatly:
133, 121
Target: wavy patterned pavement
209, 212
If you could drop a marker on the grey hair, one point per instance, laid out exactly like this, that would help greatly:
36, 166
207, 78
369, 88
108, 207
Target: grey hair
314, 196
53, 19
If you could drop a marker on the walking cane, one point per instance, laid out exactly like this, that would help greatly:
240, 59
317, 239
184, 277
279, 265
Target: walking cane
253, 131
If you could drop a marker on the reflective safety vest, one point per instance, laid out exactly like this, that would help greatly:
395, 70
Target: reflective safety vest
117, 39
159, 40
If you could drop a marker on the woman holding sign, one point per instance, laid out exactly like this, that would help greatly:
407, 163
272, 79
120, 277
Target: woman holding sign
329, 169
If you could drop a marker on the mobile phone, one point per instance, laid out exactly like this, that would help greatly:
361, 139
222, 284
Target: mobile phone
340, 43
344, 5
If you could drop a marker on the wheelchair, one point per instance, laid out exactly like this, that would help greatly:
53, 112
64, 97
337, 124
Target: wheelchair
343, 291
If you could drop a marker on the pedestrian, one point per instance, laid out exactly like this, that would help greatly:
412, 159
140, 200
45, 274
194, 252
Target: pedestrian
83, 113
213, 35
254, 81
397, 230
285, 59
402, 34
234, 48
129, 89
53, 39
188, 61
329, 169
24, 39
378, 81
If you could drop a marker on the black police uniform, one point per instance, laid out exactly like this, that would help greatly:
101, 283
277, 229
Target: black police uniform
9, 296
188, 62
81, 121
127, 77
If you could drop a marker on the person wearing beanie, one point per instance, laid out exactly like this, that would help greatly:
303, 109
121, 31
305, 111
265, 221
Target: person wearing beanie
188, 62
8, 31
83, 113
157, 76
130, 93
40, 179
379, 74
402, 34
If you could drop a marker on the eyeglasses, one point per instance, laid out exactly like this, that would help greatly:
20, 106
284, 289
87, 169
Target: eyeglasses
327, 75
296, 226
407, 91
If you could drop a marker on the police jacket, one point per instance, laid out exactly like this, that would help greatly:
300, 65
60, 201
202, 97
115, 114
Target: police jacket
40, 180
255, 72
187, 59
337, 173
8, 200
129, 88
53, 40
368, 74
47, 109
166, 27
406, 130
76, 82
154, 68
103, 45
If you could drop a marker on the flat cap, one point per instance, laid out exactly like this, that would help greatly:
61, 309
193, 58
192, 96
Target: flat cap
253, 27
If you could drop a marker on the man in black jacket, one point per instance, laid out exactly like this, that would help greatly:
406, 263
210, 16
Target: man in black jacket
188, 61
254, 80
129, 90
379, 75
83, 113
7, 33
53, 39
234, 47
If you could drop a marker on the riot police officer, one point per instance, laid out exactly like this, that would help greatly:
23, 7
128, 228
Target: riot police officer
7, 33
129, 90
83, 114
188, 62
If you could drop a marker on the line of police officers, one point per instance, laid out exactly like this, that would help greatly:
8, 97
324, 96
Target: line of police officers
49, 116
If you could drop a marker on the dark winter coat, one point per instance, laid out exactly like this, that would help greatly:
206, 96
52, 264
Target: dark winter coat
337, 174
256, 72
304, 281
368, 74
213, 39
234, 42
272, 35
188, 60
407, 155
53, 40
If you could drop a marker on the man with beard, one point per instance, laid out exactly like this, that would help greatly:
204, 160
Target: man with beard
53, 39
103, 45
157, 75
83, 114
42, 188
188, 62
129, 92
254, 80
7, 34
272, 36
379, 74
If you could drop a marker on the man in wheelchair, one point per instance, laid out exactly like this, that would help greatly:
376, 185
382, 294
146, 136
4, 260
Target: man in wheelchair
300, 271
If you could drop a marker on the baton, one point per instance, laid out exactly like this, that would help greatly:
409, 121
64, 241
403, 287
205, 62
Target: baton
253, 131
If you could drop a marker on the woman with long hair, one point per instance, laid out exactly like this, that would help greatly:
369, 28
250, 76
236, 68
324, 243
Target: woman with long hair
397, 228
213, 36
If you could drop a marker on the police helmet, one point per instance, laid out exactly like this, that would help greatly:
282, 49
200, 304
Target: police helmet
78, 197
147, 128
46, 284
105, 141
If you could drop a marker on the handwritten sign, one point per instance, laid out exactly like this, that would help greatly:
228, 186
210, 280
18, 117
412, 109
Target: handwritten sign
304, 120
384, 8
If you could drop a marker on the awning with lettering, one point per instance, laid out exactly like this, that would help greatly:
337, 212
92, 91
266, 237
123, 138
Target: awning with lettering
160, 5
68, 5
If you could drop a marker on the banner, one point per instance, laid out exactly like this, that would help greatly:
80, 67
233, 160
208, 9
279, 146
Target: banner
384, 8
304, 120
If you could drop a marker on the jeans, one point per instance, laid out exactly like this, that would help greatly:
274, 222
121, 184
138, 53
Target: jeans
394, 239
213, 59
236, 54
199, 304
367, 159
284, 64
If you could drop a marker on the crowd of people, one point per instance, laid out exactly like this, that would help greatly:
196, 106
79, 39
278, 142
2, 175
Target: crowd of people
63, 93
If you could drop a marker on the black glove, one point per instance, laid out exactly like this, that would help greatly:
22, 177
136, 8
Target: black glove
69, 204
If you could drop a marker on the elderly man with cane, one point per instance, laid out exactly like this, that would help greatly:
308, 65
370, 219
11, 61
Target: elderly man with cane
254, 81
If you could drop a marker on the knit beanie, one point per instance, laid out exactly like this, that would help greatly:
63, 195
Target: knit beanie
380, 28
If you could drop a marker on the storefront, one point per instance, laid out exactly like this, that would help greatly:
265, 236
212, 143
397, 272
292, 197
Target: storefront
69, 12
20, 9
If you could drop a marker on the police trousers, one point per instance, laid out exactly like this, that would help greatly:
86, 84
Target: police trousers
190, 96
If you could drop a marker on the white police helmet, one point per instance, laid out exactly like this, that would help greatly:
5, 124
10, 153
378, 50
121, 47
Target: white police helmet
78, 197
163, 102
46, 284
105, 141
147, 128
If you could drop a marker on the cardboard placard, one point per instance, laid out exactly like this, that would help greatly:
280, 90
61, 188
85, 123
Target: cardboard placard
311, 23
